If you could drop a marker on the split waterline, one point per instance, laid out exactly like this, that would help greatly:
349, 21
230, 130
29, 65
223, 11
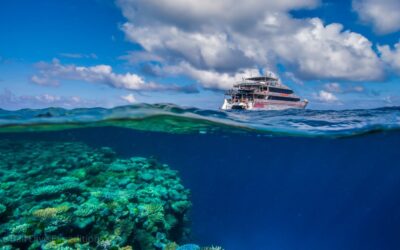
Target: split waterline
281, 180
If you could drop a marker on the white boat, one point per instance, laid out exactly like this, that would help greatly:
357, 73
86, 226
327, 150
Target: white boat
262, 93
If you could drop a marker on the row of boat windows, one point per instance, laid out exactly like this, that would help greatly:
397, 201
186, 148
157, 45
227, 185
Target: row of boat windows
279, 90
275, 98
275, 90
284, 98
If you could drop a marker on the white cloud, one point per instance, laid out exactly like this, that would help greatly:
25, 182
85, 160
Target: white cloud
208, 78
190, 14
203, 50
382, 14
129, 98
391, 56
316, 51
219, 38
51, 73
326, 96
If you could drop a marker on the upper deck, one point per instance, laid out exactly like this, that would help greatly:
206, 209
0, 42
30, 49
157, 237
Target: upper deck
274, 85
260, 86
262, 78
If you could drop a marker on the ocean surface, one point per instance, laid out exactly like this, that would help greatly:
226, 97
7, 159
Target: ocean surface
275, 180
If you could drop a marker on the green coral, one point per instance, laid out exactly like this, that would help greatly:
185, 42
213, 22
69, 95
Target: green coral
49, 190
2, 209
181, 206
71, 196
88, 208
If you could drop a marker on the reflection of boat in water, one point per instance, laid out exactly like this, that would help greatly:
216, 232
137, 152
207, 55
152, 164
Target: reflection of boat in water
262, 93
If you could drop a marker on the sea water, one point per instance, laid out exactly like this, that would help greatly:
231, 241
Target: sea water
295, 179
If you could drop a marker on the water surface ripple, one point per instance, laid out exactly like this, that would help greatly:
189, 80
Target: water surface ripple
174, 119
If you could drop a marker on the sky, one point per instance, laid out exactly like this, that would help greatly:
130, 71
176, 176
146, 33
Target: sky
88, 53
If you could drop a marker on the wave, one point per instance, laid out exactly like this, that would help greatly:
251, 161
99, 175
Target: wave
170, 118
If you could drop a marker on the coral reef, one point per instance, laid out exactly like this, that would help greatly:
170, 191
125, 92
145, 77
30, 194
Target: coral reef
69, 196
189, 247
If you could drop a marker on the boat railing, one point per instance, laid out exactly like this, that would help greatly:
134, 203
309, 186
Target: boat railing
266, 82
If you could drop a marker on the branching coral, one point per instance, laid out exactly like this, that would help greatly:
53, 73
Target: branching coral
81, 198
55, 189
50, 212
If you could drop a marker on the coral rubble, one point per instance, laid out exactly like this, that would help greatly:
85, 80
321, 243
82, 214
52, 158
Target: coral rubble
69, 196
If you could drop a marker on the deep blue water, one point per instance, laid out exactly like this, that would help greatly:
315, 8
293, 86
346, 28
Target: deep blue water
273, 192
295, 179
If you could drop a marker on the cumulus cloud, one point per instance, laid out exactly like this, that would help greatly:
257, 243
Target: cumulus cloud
209, 78
383, 15
391, 56
52, 73
221, 38
129, 98
190, 14
203, 50
317, 51
326, 96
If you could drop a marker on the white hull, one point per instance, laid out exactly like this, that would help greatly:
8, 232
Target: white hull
263, 105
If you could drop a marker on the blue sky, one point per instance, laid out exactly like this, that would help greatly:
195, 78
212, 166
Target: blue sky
337, 54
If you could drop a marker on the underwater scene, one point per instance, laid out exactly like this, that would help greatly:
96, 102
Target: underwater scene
152, 177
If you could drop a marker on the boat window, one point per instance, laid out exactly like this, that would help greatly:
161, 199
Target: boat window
279, 90
284, 98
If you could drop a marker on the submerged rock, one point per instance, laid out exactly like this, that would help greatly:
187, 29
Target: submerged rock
70, 196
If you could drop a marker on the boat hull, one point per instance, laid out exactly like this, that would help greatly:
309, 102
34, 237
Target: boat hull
263, 105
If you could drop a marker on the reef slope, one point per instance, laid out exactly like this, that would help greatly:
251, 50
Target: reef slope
70, 196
